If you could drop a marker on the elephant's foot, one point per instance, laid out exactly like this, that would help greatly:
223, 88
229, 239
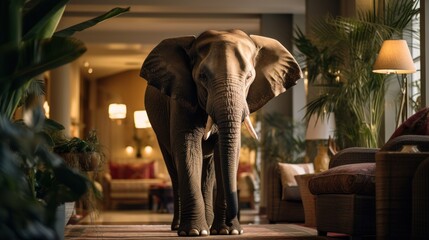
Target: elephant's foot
195, 228
222, 228
175, 224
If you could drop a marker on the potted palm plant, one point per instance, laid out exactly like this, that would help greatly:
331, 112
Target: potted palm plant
339, 56
83, 154
34, 181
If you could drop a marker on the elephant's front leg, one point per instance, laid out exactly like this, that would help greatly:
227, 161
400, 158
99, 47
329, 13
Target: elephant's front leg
186, 135
192, 217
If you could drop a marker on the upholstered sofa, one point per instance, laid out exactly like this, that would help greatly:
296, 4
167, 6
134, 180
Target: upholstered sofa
130, 182
284, 202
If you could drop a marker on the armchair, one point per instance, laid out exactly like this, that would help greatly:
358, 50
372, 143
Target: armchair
284, 203
353, 191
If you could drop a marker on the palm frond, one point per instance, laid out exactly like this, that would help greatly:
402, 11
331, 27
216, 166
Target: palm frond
344, 49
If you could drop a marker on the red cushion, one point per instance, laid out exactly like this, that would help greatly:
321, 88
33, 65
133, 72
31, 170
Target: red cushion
132, 170
417, 124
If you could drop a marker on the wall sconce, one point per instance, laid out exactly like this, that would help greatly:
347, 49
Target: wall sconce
141, 121
129, 150
117, 111
395, 57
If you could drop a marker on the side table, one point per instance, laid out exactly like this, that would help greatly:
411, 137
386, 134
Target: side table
308, 199
161, 198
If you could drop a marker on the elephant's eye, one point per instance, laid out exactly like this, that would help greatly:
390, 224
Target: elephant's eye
249, 75
202, 77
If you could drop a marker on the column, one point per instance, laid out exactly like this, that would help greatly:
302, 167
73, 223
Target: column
60, 96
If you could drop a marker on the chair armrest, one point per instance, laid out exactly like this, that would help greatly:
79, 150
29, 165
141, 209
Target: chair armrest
395, 144
353, 155
106, 180
107, 177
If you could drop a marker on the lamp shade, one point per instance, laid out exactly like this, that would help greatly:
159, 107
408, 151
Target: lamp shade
394, 57
117, 111
141, 120
320, 128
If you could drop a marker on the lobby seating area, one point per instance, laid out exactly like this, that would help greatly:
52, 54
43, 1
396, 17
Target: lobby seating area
137, 90
368, 192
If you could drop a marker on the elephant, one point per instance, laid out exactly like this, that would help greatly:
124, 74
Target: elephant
200, 91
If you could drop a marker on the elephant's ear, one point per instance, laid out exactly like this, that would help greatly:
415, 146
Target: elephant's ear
276, 71
168, 68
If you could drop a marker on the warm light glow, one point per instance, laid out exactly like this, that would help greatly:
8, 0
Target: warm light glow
46, 108
129, 150
117, 111
320, 128
86, 64
90, 70
148, 150
394, 57
141, 120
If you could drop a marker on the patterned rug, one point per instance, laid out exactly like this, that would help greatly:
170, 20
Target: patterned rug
134, 232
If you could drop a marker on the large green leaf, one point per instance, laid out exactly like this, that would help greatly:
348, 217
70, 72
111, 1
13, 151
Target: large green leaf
41, 18
32, 58
87, 24
10, 21
38, 56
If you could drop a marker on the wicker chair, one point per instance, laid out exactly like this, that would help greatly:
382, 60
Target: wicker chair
354, 212
279, 210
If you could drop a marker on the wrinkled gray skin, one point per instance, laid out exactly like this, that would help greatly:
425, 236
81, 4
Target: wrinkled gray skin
225, 75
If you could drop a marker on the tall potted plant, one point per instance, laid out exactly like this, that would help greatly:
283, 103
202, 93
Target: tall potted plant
30, 172
339, 56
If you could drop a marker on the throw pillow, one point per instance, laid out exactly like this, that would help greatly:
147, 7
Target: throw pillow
288, 172
356, 178
417, 124
132, 170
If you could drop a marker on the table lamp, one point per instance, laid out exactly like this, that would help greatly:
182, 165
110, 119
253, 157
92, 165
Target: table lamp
320, 128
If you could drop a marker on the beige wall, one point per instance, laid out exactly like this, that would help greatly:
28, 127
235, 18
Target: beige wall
127, 88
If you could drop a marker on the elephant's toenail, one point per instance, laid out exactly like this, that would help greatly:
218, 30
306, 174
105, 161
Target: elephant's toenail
204, 233
241, 231
213, 232
194, 232
224, 232
234, 232
182, 233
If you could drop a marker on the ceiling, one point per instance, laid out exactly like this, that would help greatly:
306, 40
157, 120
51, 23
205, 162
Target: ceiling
121, 43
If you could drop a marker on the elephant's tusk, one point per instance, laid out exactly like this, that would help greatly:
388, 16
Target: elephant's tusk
208, 129
250, 128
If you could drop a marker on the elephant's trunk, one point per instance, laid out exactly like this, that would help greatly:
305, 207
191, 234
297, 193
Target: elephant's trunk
229, 111
229, 142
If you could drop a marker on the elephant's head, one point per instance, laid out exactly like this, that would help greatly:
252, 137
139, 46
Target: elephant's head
229, 74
